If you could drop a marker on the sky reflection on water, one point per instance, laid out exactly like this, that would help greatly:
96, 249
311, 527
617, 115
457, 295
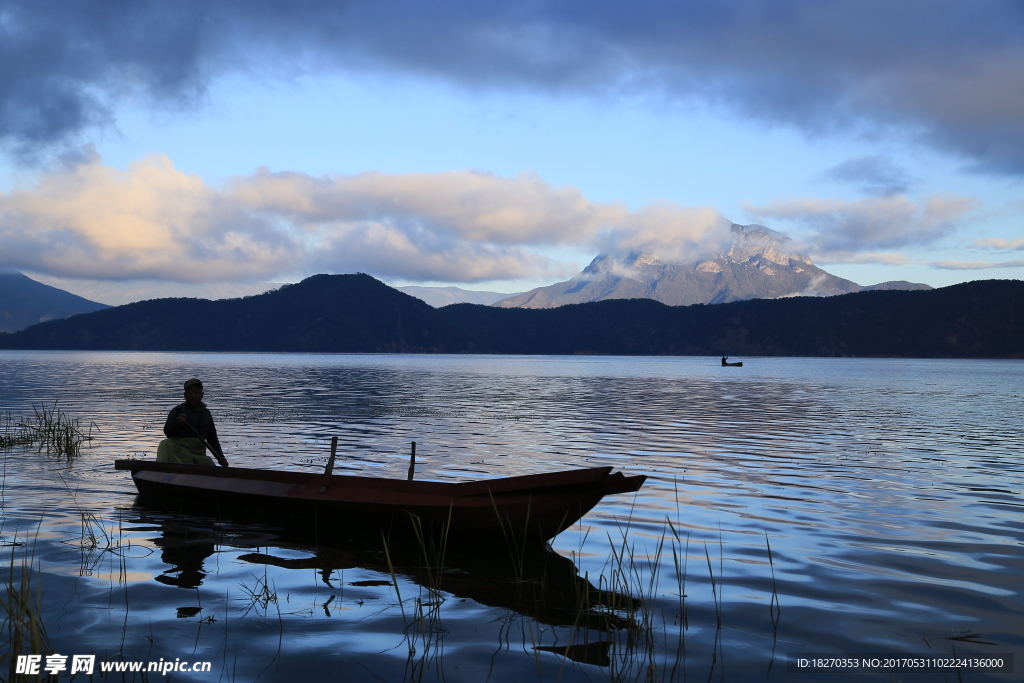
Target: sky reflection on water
889, 493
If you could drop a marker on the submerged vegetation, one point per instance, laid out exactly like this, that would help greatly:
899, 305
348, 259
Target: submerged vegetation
22, 630
13, 434
48, 428
630, 619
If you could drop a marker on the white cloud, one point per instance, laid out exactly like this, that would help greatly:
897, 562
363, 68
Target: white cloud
975, 265
832, 229
868, 258
153, 221
460, 204
670, 232
999, 243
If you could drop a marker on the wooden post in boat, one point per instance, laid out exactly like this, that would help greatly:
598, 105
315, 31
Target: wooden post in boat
330, 463
412, 461
334, 451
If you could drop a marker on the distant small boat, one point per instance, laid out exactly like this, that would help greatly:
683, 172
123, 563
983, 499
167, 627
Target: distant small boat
534, 507
727, 364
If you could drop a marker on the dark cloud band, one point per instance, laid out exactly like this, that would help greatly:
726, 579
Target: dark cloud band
953, 72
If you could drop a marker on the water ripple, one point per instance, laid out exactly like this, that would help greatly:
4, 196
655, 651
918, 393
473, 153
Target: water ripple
889, 491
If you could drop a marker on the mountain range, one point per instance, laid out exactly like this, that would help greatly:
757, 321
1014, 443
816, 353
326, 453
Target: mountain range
118, 292
445, 296
24, 302
356, 313
759, 264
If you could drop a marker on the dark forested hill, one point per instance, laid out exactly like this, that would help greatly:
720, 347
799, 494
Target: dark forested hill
972, 320
356, 313
322, 313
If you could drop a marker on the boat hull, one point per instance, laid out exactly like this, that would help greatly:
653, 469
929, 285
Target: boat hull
529, 508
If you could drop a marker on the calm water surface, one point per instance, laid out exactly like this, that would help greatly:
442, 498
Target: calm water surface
794, 506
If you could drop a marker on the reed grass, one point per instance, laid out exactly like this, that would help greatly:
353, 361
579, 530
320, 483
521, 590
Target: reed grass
774, 609
424, 632
49, 428
260, 597
58, 432
13, 434
23, 631
645, 643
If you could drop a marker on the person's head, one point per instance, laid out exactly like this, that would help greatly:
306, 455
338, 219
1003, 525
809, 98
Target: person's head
193, 391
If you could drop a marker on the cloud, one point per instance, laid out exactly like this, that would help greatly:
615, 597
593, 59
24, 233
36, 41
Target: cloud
975, 265
868, 258
875, 175
64, 68
818, 286
387, 251
833, 228
92, 221
948, 72
999, 243
153, 221
669, 232
464, 205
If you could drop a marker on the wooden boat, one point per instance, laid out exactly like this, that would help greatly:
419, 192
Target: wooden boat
528, 508
733, 365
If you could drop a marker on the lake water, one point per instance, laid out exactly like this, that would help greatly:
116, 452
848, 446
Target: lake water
793, 507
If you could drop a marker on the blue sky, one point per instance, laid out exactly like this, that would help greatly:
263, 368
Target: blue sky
496, 147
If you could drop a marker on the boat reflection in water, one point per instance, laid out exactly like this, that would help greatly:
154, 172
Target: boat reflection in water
532, 581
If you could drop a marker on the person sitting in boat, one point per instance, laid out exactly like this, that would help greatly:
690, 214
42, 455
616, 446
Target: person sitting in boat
189, 428
725, 360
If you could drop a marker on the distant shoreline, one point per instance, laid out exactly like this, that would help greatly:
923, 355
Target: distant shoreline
358, 314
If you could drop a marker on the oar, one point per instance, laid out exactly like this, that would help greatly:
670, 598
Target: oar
217, 454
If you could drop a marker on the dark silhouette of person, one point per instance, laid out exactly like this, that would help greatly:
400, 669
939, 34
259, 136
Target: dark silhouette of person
186, 423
